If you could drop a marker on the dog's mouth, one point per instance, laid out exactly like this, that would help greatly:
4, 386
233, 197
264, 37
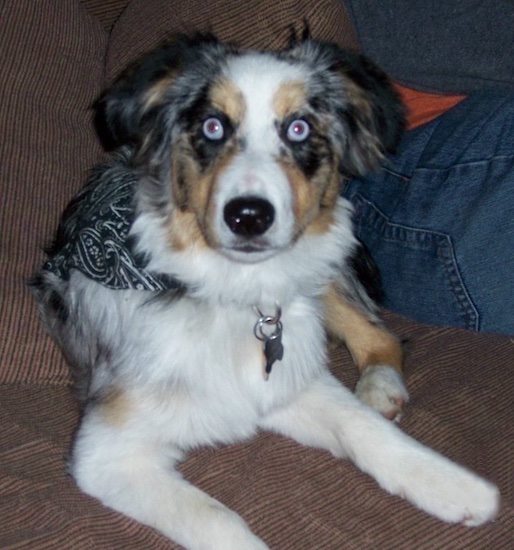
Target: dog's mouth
249, 251
252, 247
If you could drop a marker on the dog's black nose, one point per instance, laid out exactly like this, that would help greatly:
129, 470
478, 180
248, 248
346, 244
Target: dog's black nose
249, 216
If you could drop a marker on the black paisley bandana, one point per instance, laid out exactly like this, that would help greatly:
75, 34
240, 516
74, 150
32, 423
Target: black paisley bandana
96, 227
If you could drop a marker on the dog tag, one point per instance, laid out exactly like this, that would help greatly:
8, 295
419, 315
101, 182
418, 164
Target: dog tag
273, 349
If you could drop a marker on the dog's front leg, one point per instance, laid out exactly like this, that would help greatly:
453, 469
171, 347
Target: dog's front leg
135, 475
377, 353
329, 416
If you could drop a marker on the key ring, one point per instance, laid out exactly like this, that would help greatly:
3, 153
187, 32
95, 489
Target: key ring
263, 320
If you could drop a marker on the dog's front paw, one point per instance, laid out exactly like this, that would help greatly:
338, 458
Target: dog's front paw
471, 507
451, 493
382, 388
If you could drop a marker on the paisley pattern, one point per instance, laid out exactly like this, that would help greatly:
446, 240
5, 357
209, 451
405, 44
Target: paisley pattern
95, 229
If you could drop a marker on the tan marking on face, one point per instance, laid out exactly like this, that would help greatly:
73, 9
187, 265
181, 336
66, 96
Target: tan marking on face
185, 171
290, 98
227, 98
183, 227
314, 199
191, 225
184, 231
115, 407
321, 223
325, 216
306, 198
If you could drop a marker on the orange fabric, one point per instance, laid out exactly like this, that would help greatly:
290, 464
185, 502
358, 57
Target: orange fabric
423, 107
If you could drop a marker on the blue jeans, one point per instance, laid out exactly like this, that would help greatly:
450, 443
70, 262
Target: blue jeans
439, 217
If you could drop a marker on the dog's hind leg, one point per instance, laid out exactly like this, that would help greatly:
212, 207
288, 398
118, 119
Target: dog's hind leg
135, 475
327, 415
377, 353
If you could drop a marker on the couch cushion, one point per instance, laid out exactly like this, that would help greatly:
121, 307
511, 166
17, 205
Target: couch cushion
294, 497
106, 11
251, 23
51, 71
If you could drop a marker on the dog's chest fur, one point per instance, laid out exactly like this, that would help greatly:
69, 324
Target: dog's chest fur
201, 379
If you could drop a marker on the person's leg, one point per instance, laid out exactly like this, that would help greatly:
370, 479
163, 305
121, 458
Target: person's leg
439, 218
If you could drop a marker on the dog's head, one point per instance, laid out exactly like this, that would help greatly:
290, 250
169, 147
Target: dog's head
245, 150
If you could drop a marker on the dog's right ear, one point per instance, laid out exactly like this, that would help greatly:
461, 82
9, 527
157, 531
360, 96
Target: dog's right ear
124, 113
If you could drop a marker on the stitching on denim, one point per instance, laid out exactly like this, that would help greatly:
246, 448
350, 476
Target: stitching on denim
459, 288
403, 177
470, 164
400, 233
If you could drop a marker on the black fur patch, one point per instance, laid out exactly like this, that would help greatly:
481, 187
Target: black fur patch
366, 271
52, 299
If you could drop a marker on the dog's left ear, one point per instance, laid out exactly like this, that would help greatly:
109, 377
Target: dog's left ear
373, 114
120, 112
368, 115
127, 111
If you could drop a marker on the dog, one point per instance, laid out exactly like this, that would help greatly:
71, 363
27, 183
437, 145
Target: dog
194, 281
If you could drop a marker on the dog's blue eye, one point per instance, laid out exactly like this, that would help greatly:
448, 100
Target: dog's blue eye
213, 129
298, 130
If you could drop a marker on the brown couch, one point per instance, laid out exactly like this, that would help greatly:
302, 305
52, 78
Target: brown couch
56, 56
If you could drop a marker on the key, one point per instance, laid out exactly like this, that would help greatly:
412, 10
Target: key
273, 350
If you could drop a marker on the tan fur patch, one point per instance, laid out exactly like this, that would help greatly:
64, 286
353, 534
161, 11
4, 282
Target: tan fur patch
226, 97
314, 200
184, 231
115, 407
325, 217
290, 98
184, 171
191, 225
156, 93
368, 343
305, 198
190, 196
322, 223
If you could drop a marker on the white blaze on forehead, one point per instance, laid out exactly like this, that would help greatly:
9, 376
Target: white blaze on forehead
260, 78
263, 81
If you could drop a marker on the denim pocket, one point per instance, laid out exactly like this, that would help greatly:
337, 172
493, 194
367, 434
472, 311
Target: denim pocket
420, 274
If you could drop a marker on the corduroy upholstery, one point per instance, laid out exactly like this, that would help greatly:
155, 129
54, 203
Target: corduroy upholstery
57, 55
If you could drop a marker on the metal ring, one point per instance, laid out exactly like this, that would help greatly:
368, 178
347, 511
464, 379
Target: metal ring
268, 319
261, 335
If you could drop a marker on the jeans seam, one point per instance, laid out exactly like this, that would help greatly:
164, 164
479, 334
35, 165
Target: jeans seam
457, 284
470, 163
